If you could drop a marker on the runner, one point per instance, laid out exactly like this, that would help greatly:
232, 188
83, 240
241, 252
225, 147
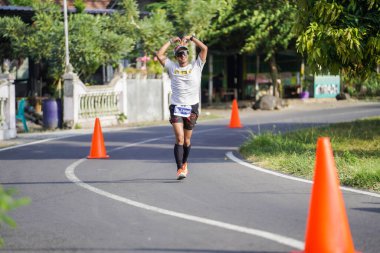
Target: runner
185, 79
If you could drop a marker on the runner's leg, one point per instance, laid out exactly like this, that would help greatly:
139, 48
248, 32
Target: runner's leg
179, 141
187, 144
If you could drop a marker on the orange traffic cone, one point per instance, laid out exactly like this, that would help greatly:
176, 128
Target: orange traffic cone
98, 149
235, 120
327, 228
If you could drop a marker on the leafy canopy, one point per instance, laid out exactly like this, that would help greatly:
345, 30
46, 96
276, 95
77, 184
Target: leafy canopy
189, 17
155, 30
340, 35
248, 26
93, 40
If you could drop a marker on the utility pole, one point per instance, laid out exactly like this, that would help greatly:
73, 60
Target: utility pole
67, 57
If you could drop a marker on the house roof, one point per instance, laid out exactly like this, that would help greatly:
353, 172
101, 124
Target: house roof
90, 4
26, 12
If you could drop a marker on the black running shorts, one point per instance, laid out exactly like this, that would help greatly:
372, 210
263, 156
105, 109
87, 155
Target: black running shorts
188, 122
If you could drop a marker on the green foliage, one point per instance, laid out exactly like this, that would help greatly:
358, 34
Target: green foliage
125, 22
339, 36
129, 9
370, 87
85, 51
155, 30
79, 5
93, 40
154, 67
8, 203
47, 28
190, 17
270, 27
92, 43
23, 2
13, 33
255, 25
176, 18
121, 118
263, 26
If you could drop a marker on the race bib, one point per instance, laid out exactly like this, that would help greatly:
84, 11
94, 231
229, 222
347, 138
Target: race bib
182, 110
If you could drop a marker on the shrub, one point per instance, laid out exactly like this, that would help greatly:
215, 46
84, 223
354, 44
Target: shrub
8, 203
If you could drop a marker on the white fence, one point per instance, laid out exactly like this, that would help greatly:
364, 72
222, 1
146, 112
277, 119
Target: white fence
7, 107
82, 104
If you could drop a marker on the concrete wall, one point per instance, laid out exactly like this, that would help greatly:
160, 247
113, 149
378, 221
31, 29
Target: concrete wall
8, 107
145, 100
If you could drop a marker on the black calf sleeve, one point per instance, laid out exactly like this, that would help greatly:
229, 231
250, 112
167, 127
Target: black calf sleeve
178, 155
186, 152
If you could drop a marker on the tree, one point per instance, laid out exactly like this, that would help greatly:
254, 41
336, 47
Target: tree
192, 17
12, 35
263, 26
340, 36
155, 30
94, 40
189, 17
45, 38
22, 2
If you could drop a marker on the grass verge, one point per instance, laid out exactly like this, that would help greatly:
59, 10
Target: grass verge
356, 147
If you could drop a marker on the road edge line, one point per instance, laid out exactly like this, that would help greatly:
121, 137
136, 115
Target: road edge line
231, 156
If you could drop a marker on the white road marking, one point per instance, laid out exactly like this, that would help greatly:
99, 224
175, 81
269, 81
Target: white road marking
33, 143
70, 174
254, 167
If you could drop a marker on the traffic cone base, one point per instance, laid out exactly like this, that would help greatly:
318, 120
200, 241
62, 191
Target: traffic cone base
327, 228
98, 150
305, 252
98, 157
235, 120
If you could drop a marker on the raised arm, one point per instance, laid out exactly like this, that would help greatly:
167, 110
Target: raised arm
161, 52
198, 43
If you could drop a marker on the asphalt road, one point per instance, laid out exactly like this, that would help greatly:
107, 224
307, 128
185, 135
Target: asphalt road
132, 202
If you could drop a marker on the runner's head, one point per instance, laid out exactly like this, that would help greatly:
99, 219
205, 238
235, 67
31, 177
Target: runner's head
181, 54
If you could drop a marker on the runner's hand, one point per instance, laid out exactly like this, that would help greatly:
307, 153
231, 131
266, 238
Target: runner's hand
185, 40
175, 40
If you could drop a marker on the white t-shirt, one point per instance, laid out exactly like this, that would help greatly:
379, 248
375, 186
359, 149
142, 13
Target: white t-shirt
185, 81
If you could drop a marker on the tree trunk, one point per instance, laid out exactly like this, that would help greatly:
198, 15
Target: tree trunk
257, 76
274, 75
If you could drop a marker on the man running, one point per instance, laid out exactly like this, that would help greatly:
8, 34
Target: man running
185, 79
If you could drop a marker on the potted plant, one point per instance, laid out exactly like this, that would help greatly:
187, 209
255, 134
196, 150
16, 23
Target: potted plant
305, 87
154, 69
131, 72
304, 94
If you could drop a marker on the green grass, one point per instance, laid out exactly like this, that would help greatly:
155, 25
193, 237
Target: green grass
356, 147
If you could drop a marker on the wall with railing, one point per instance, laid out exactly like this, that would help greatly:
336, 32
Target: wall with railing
7, 107
121, 101
82, 104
